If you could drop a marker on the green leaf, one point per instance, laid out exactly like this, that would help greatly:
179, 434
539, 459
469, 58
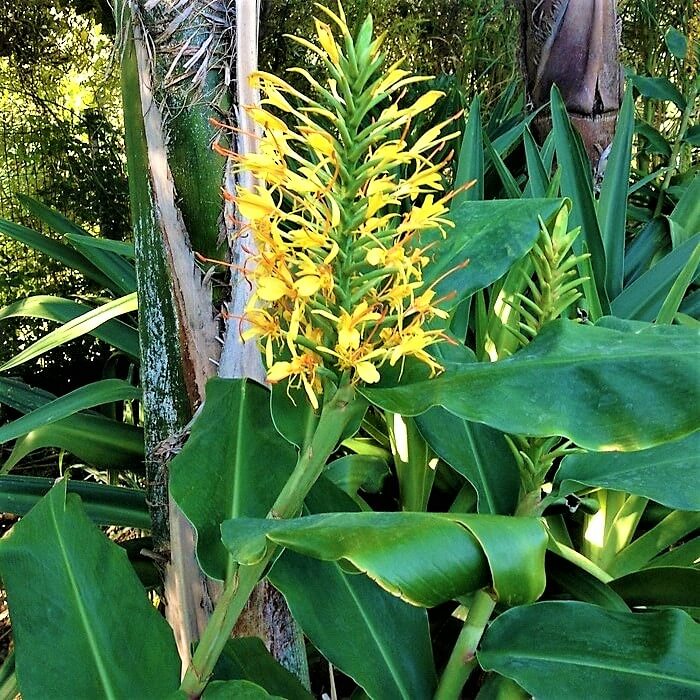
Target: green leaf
477, 452
692, 135
116, 333
660, 88
685, 218
123, 248
233, 465
425, 558
378, 659
576, 183
119, 272
605, 389
85, 323
471, 159
686, 554
612, 206
54, 249
655, 141
94, 394
354, 472
654, 473
662, 585
673, 528
538, 181
643, 299
549, 646
111, 444
104, 505
680, 286
510, 186
240, 690
676, 43
83, 625
491, 235
246, 658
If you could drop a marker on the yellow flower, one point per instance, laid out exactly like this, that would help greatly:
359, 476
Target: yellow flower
339, 276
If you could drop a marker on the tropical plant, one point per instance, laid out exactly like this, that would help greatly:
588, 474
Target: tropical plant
446, 441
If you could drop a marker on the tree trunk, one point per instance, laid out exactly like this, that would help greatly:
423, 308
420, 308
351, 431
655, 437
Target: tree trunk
176, 70
575, 44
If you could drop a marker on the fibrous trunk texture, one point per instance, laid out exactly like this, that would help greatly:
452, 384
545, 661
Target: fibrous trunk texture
575, 45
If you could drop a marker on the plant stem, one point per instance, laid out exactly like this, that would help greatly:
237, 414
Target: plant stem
335, 416
463, 658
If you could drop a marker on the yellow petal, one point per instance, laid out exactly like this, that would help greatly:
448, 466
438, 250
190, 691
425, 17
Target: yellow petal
271, 288
325, 38
308, 285
376, 256
255, 206
426, 101
279, 371
367, 372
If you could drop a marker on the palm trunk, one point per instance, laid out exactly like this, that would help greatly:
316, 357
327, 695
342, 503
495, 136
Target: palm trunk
575, 44
175, 75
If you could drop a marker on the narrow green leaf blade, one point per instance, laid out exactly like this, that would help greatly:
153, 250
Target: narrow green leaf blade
83, 624
85, 323
654, 473
234, 429
95, 394
549, 646
104, 505
54, 249
576, 184
643, 299
115, 332
471, 159
612, 206
603, 388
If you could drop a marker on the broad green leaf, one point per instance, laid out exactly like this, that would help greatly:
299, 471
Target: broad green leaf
654, 473
94, 394
115, 332
22, 397
425, 558
676, 43
471, 159
551, 646
643, 299
498, 687
654, 139
641, 253
378, 623
490, 235
99, 441
692, 135
354, 472
660, 88
662, 585
83, 625
685, 218
673, 528
233, 465
247, 658
104, 505
85, 323
605, 389
54, 249
576, 183
478, 453
564, 576
612, 206
240, 690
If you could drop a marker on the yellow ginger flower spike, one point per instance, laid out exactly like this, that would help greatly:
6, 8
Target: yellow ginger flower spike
337, 216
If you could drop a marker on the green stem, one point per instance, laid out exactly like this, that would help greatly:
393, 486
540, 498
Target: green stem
463, 658
334, 419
